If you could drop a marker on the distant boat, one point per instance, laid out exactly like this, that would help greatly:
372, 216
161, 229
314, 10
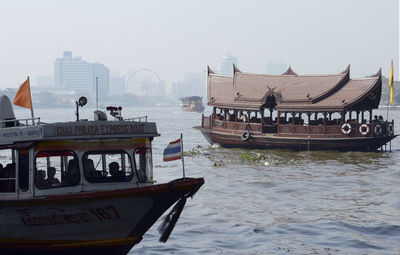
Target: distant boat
299, 112
81, 187
192, 104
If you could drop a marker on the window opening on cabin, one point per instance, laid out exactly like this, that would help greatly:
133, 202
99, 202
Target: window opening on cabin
56, 169
109, 166
7, 171
23, 169
143, 164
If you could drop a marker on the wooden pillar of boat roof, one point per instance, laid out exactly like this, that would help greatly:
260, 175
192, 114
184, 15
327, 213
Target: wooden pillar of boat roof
370, 115
342, 113
279, 117
225, 114
362, 116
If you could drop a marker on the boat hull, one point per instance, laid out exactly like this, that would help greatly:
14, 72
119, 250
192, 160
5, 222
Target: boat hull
105, 222
270, 141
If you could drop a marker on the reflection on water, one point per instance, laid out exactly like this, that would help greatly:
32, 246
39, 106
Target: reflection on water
272, 201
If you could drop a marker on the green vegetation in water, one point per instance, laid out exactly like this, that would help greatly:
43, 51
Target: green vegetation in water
194, 151
251, 156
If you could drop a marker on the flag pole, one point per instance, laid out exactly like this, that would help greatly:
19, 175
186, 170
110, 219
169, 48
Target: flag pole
183, 161
30, 94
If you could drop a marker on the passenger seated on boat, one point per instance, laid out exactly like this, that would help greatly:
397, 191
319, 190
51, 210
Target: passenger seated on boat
72, 175
8, 171
114, 170
40, 179
243, 116
90, 170
381, 118
51, 180
268, 121
375, 120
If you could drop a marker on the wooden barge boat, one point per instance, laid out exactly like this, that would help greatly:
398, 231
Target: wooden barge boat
299, 112
83, 187
192, 104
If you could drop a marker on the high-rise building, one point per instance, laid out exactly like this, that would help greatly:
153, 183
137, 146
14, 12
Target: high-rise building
227, 65
80, 76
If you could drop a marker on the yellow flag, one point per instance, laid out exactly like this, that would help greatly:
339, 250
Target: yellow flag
23, 97
391, 84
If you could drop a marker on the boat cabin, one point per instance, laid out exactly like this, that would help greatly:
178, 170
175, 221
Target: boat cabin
292, 105
40, 159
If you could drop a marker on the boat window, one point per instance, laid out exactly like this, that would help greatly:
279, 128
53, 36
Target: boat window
143, 165
107, 166
7, 171
23, 169
56, 169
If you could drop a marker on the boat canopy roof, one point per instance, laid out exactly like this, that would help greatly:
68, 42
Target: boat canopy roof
293, 92
76, 131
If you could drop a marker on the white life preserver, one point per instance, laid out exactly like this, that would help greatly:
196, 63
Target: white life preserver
364, 127
390, 129
346, 128
378, 130
245, 136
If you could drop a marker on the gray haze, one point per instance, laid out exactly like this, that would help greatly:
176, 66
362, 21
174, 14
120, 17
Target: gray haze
176, 37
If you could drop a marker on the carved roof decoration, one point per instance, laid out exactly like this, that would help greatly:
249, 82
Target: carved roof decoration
289, 71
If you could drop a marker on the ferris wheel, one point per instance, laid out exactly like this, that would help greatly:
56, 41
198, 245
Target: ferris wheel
144, 82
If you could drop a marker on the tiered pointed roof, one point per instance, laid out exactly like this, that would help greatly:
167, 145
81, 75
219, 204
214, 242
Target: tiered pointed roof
331, 92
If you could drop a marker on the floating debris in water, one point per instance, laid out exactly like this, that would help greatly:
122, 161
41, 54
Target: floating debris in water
216, 146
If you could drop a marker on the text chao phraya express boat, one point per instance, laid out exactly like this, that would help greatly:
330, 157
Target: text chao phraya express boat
291, 111
83, 187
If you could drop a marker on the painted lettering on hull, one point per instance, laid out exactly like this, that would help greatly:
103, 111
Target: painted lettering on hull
100, 130
98, 214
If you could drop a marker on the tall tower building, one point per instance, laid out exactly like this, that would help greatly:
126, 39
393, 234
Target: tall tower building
227, 65
80, 76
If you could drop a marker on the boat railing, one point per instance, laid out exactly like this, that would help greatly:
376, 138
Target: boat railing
137, 119
365, 129
357, 129
235, 125
19, 122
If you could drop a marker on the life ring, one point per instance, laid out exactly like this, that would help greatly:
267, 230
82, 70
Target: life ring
364, 129
245, 136
378, 130
390, 129
346, 128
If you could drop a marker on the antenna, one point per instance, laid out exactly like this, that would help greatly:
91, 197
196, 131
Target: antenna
97, 93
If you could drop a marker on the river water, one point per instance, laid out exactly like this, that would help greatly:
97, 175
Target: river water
275, 201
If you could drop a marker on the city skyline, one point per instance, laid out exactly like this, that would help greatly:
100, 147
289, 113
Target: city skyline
311, 36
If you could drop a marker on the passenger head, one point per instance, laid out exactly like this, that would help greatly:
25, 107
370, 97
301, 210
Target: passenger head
51, 172
114, 168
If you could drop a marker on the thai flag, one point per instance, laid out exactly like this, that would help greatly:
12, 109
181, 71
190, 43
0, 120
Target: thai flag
173, 151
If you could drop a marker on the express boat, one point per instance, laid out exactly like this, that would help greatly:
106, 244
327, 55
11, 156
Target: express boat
81, 187
299, 112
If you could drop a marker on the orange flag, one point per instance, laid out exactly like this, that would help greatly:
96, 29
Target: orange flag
23, 97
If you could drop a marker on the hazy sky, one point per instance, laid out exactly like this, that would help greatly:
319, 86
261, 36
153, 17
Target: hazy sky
175, 37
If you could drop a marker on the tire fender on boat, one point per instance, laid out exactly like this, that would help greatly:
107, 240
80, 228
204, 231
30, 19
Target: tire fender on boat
390, 129
346, 128
364, 129
245, 136
378, 129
